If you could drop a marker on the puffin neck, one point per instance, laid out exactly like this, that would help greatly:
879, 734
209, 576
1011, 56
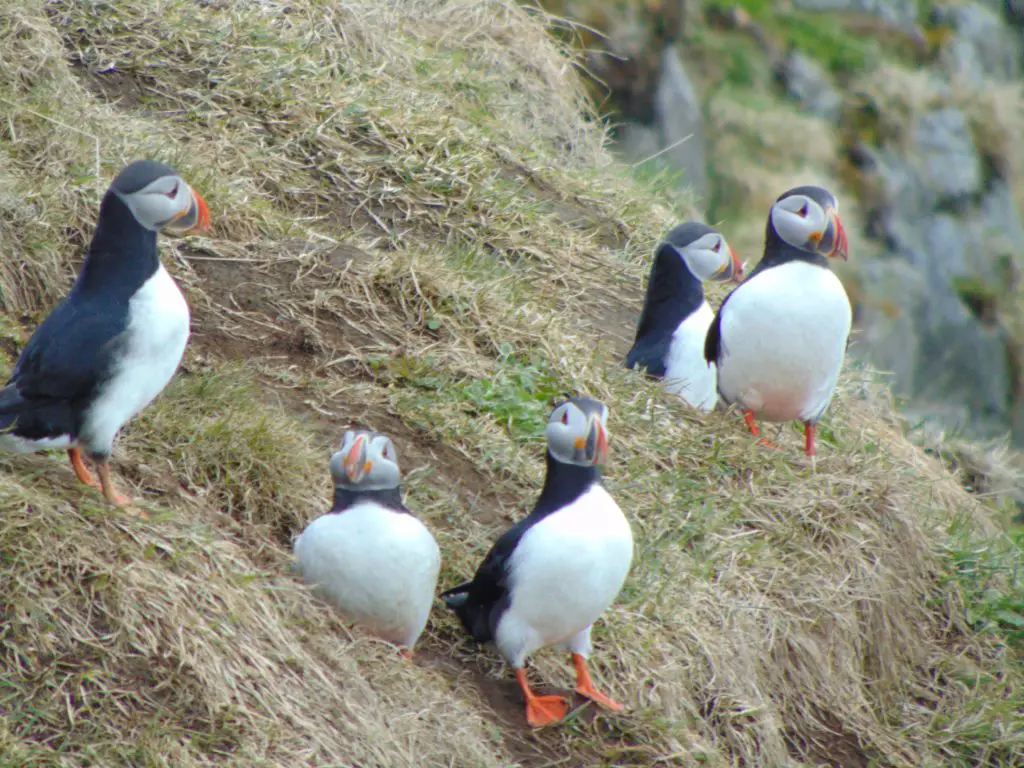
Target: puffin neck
673, 293
346, 498
778, 251
563, 484
122, 255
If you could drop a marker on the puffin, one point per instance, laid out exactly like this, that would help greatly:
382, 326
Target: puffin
779, 339
675, 319
550, 576
114, 342
370, 557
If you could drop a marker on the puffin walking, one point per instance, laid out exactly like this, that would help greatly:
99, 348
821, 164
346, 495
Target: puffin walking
551, 575
370, 557
675, 319
780, 337
114, 342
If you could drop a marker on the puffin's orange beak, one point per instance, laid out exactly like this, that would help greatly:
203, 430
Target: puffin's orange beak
597, 444
202, 213
840, 244
737, 268
355, 464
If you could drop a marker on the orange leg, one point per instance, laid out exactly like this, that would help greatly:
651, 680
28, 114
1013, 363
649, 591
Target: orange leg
406, 654
541, 710
585, 686
748, 416
809, 447
81, 471
111, 495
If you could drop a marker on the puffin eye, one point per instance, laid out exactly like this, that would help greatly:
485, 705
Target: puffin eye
804, 210
565, 416
173, 193
718, 245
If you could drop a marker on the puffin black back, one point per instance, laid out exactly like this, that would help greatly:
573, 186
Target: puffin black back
673, 293
122, 255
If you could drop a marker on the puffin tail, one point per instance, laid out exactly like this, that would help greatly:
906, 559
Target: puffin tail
456, 597
472, 615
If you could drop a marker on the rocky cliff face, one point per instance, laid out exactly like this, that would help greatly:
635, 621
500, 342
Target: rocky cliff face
911, 112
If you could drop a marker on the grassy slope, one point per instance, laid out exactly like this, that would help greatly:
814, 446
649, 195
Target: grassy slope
415, 231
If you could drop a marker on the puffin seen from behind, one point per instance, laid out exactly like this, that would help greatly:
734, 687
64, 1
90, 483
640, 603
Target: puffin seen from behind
675, 319
551, 575
114, 342
370, 557
779, 338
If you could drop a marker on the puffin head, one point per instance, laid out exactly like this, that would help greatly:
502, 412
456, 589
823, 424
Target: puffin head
367, 461
160, 199
808, 218
704, 251
577, 434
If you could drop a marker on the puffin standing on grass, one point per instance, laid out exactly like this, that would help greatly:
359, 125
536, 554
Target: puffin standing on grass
370, 557
112, 345
549, 577
779, 339
675, 319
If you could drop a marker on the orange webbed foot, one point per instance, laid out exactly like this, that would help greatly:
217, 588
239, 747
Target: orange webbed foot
545, 710
541, 710
585, 686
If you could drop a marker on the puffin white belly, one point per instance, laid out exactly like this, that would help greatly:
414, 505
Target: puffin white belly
783, 341
11, 443
377, 567
687, 373
151, 348
564, 573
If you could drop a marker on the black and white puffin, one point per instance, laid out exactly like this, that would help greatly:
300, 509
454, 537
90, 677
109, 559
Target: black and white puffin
370, 557
779, 338
114, 342
675, 319
549, 577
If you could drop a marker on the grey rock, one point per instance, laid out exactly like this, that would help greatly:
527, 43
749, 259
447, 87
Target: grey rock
637, 142
807, 83
678, 116
889, 320
946, 157
982, 46
901, 13
966, 363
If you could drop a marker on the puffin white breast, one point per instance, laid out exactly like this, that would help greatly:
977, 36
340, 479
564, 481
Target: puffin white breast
564, 573
686, 371
783, 341
378, 567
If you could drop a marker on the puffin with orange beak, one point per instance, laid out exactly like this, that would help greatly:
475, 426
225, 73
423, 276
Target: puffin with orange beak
113, 344
675, 319
550, 576
370, 557
780, 338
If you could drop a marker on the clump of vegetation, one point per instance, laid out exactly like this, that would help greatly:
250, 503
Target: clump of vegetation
417, 229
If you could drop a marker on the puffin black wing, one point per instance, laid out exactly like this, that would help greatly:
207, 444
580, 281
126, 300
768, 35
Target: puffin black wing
480, 602
68, 356
713, 341
650, 353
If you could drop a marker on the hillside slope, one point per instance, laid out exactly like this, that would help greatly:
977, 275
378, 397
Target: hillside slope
415, 230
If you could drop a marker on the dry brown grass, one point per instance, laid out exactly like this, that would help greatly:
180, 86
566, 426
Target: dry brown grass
416, 231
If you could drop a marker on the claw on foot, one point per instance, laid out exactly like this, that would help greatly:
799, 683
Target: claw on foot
585, 686
541, 710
